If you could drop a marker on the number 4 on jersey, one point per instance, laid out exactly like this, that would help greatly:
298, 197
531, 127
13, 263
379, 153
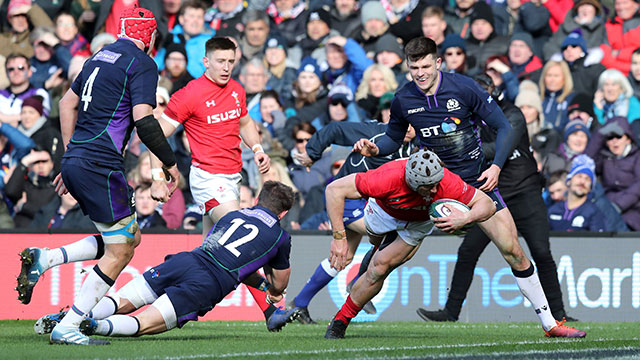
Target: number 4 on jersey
233, 246
88, 87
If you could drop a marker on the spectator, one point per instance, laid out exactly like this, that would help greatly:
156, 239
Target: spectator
388, 52
171, 9
15, 146
483, 40
617, 159
253, 77
376, 81
384, 108
35, 125
345, 17
558, 10
225, 17
101, 40
585, 67
256, 31
192, 33
556, 89
581, 108
576, 139
341, 107
290, 19
18, 70
623, 36
614, 97
281, 74
247, 197
519, 16
576, 213
530, 103
434, 26
67, 31
30, 186
587, 18
347, 62
272, 112
63, 213
374, 25
404, 17
454, 56
85, 12
22, 16
458, 16
318, 32
193, 218
634, 74
557, 187
175, 69
146, 208
50, 62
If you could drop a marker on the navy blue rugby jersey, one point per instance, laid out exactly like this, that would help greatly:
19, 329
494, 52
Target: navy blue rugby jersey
111, 83
444, 122
245, 240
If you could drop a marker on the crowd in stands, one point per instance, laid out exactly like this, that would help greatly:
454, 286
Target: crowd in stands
572, 67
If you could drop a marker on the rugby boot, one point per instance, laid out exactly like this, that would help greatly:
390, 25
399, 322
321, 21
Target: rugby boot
280, 318
562, 330
45, 324
72, 336
33, 265
336, 330
438, 315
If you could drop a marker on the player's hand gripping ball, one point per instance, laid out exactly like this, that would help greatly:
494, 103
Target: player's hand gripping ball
442, 208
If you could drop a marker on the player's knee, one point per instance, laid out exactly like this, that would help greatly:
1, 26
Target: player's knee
123, 231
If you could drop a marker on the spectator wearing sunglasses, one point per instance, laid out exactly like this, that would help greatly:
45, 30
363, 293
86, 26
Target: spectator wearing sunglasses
18, 69
615, 151
341, 107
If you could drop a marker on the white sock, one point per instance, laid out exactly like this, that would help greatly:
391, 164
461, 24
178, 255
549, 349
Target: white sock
530, 287
118, 325
84, 249
105, 307
92, 291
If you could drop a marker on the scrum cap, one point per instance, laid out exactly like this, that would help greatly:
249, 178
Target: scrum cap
138, 24
423, 168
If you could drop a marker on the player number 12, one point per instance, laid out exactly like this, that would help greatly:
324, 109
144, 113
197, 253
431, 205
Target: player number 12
235, 224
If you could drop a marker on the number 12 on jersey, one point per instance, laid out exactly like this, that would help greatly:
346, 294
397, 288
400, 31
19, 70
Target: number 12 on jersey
233, 246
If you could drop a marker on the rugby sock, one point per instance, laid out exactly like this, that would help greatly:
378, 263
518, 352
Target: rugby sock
89, 248
93, 289
348, 311
260, 298
529, 285
118, 325
105, 307
321, 277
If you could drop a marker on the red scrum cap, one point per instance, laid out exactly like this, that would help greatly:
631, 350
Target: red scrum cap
138, 24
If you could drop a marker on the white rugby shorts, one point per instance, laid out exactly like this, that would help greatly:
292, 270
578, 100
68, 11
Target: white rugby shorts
209, 190
379, 222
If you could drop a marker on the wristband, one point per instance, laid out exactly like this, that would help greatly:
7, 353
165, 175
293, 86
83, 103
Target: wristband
157, 175
257, 148
264, 285
340, 234
268, 300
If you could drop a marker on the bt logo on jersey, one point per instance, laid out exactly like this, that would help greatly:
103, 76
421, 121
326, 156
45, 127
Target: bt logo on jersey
227, 115
430, 131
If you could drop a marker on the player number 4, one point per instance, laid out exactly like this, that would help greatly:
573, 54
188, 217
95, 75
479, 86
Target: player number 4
233, 246
88, 88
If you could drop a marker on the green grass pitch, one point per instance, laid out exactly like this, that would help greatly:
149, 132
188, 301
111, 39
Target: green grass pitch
378, 340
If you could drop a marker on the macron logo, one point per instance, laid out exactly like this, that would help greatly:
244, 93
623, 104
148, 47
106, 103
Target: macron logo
413, 111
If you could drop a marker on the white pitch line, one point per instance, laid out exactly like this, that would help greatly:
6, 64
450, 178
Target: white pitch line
382, 348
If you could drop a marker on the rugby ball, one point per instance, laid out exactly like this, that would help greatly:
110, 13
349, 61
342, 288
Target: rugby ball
442, 208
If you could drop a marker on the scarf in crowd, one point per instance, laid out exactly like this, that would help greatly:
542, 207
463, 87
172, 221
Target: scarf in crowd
292, 13
29, 132
215, 17
395, 14
620, 107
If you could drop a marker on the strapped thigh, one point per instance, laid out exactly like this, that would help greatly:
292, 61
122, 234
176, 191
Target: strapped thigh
120, 232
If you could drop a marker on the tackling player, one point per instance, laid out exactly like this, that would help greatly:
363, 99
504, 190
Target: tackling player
399, 193
442, 107
114, 92
189, 284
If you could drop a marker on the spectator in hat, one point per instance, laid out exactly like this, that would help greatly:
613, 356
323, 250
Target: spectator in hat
634, 74
67, 31
458, 16
483, 41
384, 107
454, 55
345, 17
175, 70
585, 67
581, 108
622, 36
614, 97
376, 81
405, 17
192, 32
281, 74
586, 16
434, 26
530, 103
226, 17
374, 25
575, 140
389, 52
50, 62
318, 32
289, 19
577, 213
23, 16
615, 151
556, 89
101, 40
519, 16
35, 125
346, 62
255, 34
341, 107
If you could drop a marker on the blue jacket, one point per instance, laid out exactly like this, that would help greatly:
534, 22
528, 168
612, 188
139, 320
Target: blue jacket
43, 70
351, 74
18, 146
586, 217
555, 113
195, 50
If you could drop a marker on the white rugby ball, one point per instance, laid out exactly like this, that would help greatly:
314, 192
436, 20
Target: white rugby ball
442, 208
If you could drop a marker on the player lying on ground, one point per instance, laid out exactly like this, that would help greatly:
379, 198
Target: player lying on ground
190, 284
